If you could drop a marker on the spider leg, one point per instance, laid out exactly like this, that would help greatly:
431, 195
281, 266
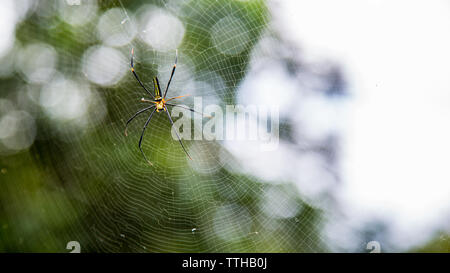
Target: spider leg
179, 139
173, 72
190, 109
142, 135
135, 115
136, 76
177, 97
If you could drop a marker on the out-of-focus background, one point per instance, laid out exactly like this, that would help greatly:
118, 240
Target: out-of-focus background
363, 92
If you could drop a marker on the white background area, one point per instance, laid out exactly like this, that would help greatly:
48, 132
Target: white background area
396, 58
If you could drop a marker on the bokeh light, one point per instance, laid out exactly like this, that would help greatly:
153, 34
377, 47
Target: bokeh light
65, 100
113, 30
17, 131
38, 62
161, 30
229, 35
78, 14
104, 65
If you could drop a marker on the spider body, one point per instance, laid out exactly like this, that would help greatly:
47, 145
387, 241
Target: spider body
159, 104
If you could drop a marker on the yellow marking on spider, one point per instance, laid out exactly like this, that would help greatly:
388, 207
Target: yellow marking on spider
161, 105
177, 97
150, 101
157, 89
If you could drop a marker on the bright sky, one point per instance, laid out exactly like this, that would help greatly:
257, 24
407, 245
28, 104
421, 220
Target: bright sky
397, 144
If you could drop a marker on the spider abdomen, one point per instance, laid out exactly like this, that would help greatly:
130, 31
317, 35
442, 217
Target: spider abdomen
160, 105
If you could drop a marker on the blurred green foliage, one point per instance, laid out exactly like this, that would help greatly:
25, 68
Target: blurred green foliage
440, 244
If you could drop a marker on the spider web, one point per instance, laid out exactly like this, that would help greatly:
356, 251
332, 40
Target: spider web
174, 207
209, 204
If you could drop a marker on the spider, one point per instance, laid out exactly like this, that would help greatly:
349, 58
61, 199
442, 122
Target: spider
159, 104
